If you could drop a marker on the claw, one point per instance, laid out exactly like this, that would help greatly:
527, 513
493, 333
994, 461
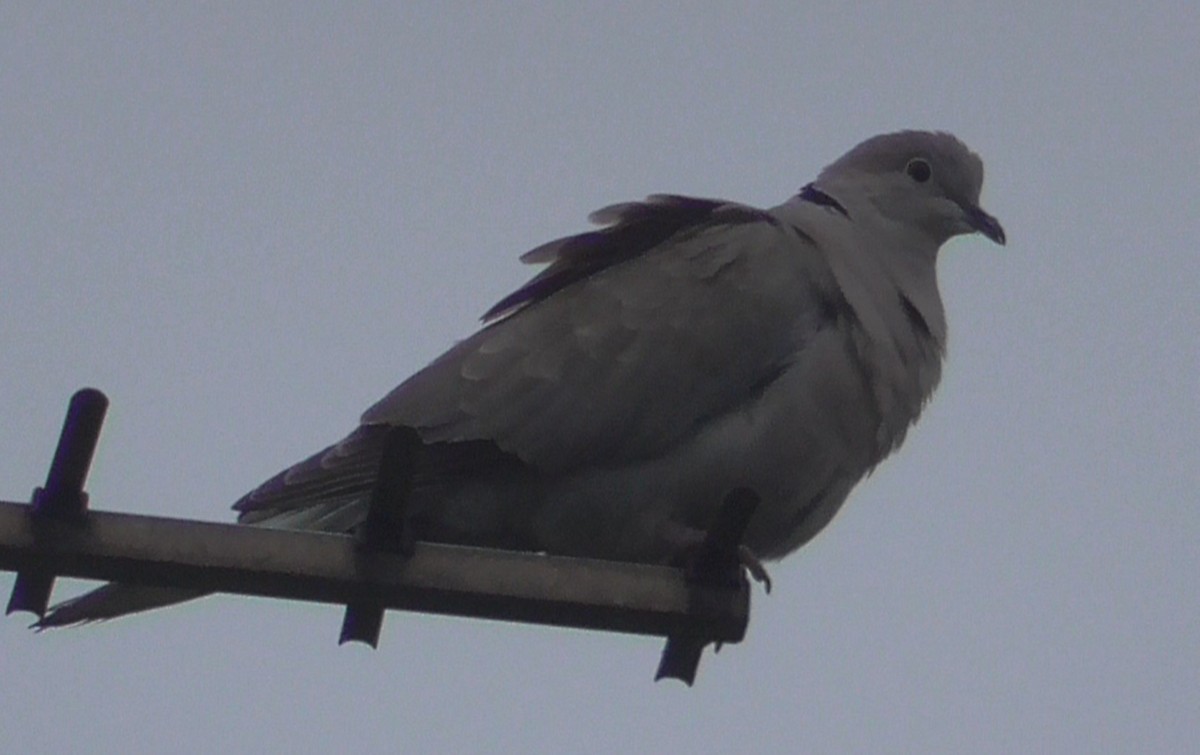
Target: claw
688, 544
755, 567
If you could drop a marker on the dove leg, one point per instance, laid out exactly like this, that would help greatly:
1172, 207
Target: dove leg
695, 549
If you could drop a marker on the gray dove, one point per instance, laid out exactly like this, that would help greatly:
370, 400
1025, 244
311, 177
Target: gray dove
685, 348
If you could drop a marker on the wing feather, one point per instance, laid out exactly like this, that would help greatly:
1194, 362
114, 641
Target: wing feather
632, 337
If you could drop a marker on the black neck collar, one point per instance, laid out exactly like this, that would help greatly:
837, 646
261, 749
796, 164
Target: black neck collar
811, 193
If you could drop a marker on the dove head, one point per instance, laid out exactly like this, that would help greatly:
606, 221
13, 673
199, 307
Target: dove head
925, 180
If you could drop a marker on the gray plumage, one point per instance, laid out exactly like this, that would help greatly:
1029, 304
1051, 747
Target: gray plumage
687, 347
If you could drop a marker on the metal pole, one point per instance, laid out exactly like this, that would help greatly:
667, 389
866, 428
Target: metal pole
62, 497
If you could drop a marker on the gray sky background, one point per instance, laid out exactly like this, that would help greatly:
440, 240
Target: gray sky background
246, 222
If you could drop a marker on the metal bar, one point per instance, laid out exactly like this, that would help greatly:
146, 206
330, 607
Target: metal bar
481, 583
716, 565
384, 528
63, 494
62, 497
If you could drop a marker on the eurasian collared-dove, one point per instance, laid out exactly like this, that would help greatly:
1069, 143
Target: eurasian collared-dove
687, 348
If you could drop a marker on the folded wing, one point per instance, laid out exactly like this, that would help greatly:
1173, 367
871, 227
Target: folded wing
630, 340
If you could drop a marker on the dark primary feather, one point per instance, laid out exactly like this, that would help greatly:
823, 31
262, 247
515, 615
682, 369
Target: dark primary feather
632, 228
343, 474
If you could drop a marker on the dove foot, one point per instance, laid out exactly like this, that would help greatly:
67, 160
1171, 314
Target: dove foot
690, 552
754, 567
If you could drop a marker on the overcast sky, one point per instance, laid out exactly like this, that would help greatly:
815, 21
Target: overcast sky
246, 222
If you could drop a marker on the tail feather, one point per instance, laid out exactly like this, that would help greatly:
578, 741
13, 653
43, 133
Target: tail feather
111, 601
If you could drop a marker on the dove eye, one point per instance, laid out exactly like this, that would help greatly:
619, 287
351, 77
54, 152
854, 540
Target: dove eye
918, 170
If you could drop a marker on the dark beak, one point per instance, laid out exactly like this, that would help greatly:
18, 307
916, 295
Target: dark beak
985, 224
